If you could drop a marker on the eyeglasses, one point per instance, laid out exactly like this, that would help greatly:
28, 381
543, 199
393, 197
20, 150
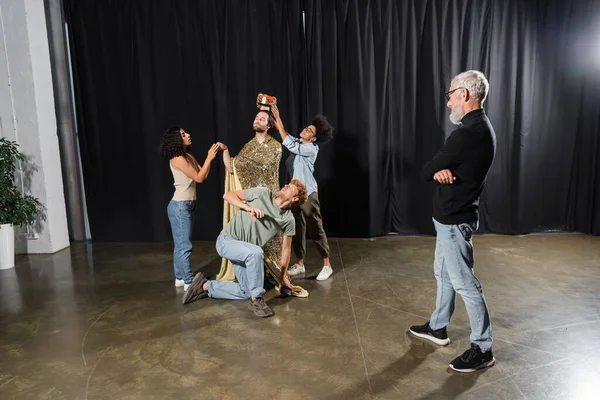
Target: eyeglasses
452, 91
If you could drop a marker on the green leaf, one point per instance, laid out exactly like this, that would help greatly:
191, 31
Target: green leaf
15, 208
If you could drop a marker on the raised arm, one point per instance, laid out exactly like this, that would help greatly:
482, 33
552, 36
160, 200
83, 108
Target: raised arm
294, 146
226, 157
200, 174
278, 122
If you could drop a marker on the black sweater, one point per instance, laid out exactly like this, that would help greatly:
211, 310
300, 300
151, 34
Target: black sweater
468, 152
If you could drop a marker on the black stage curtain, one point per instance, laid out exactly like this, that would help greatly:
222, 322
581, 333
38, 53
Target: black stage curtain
142, 66
377, 69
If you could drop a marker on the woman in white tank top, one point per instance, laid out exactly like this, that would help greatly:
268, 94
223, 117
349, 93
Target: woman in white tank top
186, 172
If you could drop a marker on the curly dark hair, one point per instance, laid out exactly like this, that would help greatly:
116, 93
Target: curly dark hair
324, 130
172, 143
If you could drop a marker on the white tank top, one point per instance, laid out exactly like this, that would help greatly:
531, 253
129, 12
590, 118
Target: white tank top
185, 188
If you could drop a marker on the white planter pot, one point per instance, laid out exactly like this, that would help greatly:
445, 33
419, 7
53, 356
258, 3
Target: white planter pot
7, 246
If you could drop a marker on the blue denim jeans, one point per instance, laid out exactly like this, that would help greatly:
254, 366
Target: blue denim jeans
248, 264
181, 216
454, 273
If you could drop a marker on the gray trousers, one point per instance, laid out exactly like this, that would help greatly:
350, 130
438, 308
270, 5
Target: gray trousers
308, 217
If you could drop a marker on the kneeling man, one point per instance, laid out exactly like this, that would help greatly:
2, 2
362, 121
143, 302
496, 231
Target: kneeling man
261, 216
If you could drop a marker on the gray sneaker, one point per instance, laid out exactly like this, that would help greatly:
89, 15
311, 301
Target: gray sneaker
260, 308
194, 291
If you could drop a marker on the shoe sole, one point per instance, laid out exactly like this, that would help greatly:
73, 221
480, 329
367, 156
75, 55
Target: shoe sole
263, 315
296, 273
484, 365
441, 342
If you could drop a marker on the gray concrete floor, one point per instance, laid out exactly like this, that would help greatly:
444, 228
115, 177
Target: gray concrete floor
104, 321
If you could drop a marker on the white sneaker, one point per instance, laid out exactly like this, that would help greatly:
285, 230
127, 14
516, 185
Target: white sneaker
325, 273
180, 283
296, 269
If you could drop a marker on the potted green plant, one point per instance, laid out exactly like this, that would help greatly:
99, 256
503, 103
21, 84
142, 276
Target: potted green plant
16, 209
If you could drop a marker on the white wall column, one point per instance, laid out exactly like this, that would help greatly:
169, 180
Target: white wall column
27, 116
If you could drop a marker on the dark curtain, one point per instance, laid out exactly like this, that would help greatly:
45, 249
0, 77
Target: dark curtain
378, 69
142, 66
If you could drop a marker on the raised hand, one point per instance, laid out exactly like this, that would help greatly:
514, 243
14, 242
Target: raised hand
278, 121
275, 112
212, 152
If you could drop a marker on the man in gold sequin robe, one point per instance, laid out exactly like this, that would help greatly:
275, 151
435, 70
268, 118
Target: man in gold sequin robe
256, 165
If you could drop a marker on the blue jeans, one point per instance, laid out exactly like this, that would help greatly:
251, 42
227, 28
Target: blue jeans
453, 269
248, 264
181, 216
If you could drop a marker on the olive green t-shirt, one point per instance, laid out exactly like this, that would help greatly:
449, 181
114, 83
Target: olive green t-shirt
241, 227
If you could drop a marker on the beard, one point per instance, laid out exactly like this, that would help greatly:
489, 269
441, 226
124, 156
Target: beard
456, 115
259, 129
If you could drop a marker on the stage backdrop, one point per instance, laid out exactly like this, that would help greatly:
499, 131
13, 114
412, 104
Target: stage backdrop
378, 69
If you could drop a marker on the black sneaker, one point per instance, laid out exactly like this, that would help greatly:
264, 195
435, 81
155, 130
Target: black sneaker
473, 359
260, 308
194, 291
439, 336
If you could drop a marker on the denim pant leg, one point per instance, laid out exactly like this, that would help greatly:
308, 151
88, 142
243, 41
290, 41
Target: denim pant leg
173, 220
181, 217
457, 248
446, 296
248, 264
